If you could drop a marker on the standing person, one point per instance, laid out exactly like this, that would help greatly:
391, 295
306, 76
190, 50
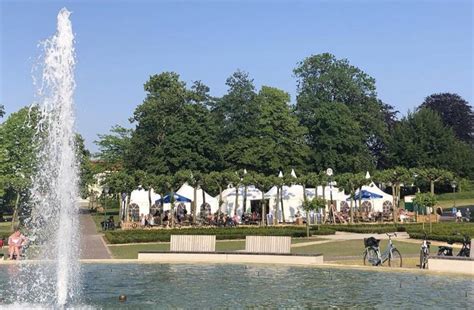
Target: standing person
15, 243
458, 216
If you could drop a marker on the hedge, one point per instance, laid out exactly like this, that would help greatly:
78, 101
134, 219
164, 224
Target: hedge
371, 229
164, 235
446, 238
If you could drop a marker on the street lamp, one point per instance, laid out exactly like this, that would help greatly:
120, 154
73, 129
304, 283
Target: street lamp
453, 185
329, 173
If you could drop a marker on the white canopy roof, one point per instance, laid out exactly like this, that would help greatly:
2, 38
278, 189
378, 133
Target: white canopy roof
140, 197
187, 191
374, 189
253, 193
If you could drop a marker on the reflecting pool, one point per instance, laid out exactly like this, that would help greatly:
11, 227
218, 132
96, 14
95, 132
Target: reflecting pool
151, 286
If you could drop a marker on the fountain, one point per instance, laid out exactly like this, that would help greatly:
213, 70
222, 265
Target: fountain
52, 277
53, 222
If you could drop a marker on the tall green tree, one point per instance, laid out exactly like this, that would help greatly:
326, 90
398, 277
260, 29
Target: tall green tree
18, 154
173, 131
455, 112
336, 140
275, 140
113, 147
324, 79
86, 171
238, 110
421, 140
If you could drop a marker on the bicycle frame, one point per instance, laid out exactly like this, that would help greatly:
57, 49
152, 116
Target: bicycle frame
383, 257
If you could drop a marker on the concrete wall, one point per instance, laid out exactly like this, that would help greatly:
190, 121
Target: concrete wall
229, 258
452, 264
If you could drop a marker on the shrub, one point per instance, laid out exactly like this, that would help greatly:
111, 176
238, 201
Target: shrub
446, 238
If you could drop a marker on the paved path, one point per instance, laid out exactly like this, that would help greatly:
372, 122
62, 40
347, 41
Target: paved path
92, 244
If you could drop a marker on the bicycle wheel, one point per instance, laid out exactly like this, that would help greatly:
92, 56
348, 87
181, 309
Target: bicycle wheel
395, 260
370, 257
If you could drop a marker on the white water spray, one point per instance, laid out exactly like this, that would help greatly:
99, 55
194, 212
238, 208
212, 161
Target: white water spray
53, 222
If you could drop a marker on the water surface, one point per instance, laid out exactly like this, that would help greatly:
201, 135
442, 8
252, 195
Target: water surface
151, 286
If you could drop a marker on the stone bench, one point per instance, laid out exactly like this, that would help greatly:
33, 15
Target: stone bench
268, 244
193, 243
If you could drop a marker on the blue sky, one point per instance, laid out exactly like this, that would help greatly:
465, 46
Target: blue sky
412, 48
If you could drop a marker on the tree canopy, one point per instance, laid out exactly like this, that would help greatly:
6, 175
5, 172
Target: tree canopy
455, 112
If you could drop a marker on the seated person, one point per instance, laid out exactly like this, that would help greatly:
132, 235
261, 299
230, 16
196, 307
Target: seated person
111, 223
15, 243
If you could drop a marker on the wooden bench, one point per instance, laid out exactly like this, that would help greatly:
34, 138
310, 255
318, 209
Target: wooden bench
193, 243
267, 244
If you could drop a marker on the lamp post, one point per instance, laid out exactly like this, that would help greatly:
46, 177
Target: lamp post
330, 173
453, 185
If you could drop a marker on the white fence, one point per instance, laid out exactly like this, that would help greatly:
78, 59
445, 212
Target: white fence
267, 244
193, 243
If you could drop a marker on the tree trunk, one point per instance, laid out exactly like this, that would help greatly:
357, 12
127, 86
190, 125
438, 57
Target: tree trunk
432, 184
275, 220
172, 208
352, 207
237, 201
325, 205
307, 211
395, 204
244, 207
264, 213
194, 204
282, 208
220, 202
15, 212
120, 206
360, 197
149, 199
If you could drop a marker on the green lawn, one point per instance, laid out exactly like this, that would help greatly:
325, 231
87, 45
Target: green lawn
458, 196
459, 202
352, 248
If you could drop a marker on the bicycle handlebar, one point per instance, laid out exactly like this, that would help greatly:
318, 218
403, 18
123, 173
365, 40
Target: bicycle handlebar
391, 235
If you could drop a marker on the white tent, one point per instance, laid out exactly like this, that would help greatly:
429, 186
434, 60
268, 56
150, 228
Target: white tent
188, 191
377, 204
140, 198
293, 199
338, 196
228, 198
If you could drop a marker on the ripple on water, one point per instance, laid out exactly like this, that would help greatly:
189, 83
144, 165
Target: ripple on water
250, 286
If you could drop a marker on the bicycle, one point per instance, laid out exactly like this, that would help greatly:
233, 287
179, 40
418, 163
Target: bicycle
373, 256
424, 253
